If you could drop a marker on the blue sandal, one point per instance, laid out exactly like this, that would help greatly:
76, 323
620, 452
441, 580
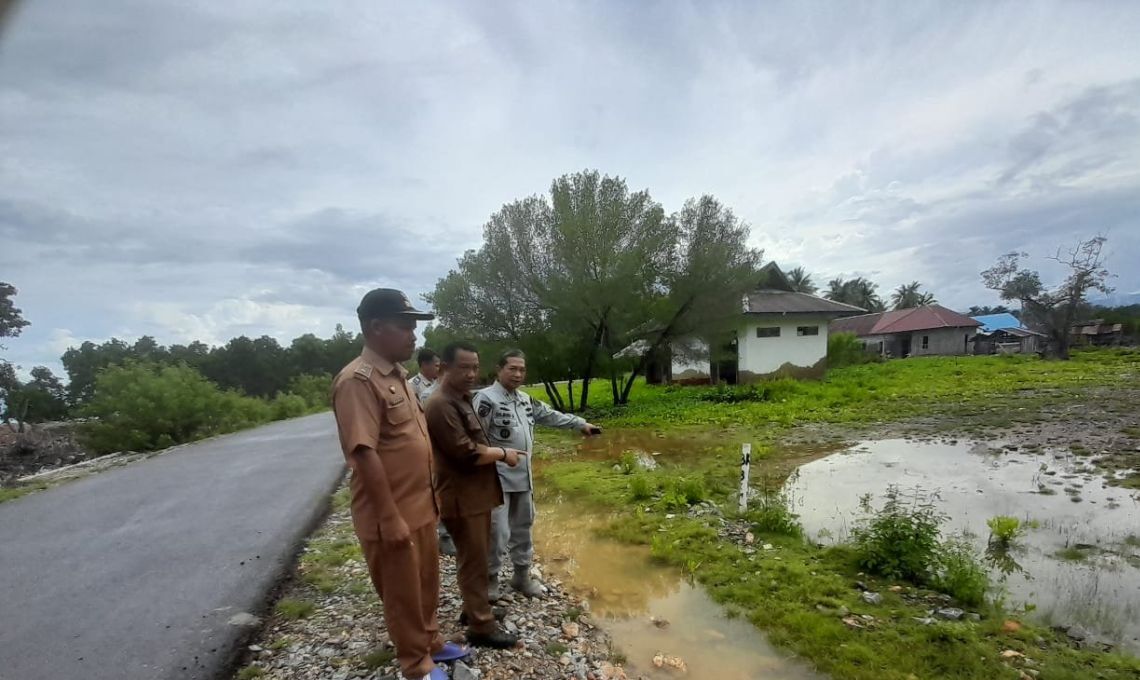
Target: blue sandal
438, 673
450, 652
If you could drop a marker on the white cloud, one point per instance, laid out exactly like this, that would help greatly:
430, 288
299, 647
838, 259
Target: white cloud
193, 171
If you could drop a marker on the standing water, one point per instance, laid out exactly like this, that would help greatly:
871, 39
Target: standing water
650, 610
1078, 562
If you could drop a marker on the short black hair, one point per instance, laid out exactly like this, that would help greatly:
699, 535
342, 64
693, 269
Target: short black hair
511, 354
449, 352
426, 356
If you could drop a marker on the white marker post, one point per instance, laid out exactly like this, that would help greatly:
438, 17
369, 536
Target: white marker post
745, 468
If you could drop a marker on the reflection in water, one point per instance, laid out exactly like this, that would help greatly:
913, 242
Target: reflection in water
627, 593
1097, 587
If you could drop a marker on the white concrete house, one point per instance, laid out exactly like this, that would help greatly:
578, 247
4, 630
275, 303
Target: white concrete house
781, 332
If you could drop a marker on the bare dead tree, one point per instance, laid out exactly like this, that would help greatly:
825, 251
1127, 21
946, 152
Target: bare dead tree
1053, 311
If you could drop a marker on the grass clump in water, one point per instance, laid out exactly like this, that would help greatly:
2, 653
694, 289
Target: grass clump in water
1004, 530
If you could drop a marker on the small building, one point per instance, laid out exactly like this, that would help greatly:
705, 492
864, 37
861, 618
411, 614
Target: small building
1097, 333
781, 333
921, 331
1005, 334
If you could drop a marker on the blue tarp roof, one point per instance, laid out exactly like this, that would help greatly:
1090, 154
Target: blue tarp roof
997, 322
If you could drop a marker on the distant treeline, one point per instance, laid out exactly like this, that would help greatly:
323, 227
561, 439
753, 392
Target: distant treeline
257, 367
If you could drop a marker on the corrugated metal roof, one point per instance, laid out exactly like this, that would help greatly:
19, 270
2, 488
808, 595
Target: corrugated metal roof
997, 322
787, 302
924, 318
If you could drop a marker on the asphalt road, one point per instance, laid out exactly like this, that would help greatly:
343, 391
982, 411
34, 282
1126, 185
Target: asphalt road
136, 572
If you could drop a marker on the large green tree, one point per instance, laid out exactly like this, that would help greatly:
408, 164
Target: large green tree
575, 277
11, 317
565, 276
1052, 310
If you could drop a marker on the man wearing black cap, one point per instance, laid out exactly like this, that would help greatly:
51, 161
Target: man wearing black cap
385, 441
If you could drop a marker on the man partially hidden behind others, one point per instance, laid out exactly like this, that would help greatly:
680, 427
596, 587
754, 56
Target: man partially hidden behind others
385, 441
468, 487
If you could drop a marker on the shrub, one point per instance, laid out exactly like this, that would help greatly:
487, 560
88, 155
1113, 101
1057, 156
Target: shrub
144, 407
773, 515
314, 389
774, 390
1005, 530
641, 487
693, 490
628, 463
901, 540
845, 349
959, 573
288, 405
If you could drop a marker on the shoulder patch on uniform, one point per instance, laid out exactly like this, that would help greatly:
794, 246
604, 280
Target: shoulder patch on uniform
484, 409
363, 373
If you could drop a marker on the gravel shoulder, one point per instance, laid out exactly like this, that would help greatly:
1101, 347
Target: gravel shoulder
328, 624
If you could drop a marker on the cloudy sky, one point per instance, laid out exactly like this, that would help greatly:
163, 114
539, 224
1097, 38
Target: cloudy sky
199, 170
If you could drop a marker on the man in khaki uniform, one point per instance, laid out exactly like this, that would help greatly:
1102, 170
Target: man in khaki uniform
385, 441
468, 488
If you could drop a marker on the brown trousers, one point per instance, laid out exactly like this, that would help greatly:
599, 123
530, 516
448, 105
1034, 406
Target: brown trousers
472, 536
407, 581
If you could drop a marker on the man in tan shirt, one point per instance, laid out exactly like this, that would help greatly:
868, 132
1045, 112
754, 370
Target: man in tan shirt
468, 487
385, 441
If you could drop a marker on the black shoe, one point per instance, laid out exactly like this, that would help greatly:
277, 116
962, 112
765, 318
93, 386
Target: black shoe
499, 613
499, 639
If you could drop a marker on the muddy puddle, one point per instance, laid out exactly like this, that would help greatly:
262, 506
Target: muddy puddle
1078, 563
649, 609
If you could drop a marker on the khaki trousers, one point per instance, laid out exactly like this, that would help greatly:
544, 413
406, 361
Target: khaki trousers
472, 536
407, 581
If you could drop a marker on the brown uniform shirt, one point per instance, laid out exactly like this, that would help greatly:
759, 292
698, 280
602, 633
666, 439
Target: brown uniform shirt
375, 409
463, 488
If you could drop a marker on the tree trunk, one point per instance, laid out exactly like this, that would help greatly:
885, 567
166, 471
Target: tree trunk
584, 402
553, 395
661, 338
614, 384
570, 394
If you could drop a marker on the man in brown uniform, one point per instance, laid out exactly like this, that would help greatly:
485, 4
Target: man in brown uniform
468, 488
385, 441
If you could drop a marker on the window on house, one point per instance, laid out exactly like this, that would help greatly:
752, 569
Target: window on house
768, 332
926, 342
807, 330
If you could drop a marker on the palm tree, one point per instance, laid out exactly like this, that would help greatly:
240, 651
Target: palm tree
801, 281
858, 291
909, 296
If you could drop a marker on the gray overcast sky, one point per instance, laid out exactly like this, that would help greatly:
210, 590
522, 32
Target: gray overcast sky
199, 170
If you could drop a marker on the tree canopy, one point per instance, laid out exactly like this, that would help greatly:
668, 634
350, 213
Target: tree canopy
910, 295
801, 281
1052, 310
577, 276
858, 291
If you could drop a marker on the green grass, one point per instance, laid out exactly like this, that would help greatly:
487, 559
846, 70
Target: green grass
793, 591
867, 393
1071, 554
294, 609
11, 493
378, 658
250, 672
556, 648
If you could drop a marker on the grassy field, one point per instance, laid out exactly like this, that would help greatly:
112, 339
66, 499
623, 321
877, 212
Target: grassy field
798, 592
867, 393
